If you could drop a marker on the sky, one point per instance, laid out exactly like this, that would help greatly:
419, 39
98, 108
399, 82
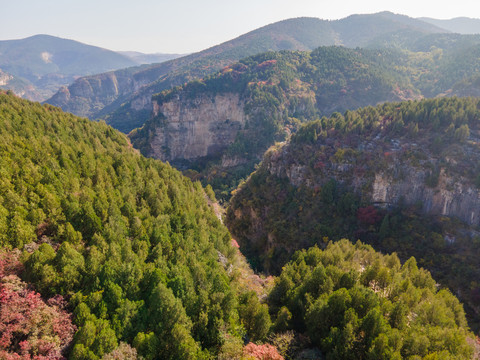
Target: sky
185, 26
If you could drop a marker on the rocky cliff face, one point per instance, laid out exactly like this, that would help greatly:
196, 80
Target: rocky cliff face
404, 182
4, 78
448, 198
394, 181
194, 128
291, 196
87, 95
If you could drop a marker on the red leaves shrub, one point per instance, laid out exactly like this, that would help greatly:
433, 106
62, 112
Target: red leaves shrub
30, 328
368, 215
262, 352
9, 263
266, 63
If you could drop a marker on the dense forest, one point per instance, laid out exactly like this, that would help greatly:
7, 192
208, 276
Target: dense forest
106, 254
321, 184
355, 303
129, 242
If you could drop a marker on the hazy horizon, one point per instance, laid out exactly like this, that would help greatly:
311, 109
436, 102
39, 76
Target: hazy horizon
187, 26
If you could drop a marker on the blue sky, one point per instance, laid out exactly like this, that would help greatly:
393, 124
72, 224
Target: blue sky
181, 26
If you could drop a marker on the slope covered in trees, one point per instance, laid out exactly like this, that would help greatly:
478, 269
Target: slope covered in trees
130, 242
354, 303
416, 161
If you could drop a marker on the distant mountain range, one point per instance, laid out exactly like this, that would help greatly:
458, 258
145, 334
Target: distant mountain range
460, 25
37, 66
46, 62
123, 97
112, 86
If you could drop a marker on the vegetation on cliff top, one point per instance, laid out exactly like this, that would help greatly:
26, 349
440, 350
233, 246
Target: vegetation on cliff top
280, 90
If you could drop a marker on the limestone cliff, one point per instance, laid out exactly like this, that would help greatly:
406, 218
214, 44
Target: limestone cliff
289, 202
391, 181
198, 127
88, 95
424, 155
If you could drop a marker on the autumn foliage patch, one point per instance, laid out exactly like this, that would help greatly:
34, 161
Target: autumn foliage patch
262, 352
30, 328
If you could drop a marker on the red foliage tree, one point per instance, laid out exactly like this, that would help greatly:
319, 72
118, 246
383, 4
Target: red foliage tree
368, 215
30, 328
262, 352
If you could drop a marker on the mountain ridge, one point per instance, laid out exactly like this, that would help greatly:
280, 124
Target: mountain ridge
126, 108
46, 62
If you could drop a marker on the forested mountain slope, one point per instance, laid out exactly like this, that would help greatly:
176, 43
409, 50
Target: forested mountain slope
400, 176
131, 251
354, 303
129, 241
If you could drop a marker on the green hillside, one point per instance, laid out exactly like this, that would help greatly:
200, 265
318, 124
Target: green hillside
149, 272
400, 176
355, 303
129, 241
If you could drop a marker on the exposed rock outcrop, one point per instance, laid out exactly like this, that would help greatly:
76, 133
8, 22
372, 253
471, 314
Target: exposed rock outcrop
199, 127
398, 182
87, 95
4, 78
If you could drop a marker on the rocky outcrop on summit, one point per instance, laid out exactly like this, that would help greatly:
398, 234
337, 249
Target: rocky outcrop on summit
199, 127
